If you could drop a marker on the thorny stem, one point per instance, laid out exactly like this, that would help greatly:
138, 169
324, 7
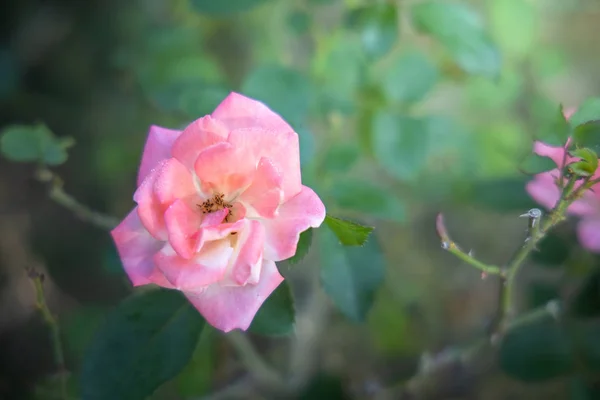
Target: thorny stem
61, 197
40, 302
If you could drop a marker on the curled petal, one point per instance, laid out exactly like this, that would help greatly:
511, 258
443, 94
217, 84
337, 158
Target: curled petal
224, 168
157, 148
199, 135
588, 232
136, 248
280, 147
205, 267
245, 264
183, 225
238, 111
263, 196
234, 307
303, 211
165, 184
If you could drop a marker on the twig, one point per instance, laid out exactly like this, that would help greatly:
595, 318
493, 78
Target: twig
85, 213
40, 302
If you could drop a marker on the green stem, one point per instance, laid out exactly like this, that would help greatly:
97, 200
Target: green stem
483, 267
52, 324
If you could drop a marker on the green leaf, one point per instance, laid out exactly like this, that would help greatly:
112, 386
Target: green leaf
553, 250
581, 168
536, 349
276, 317
224, 8
299, 21
286, 91
196, 379
559, 130
348, 233
324, 387
147, 340
197, 98
587, 135
303, 246
461, 31
585, 302
351, 275
340, 157
377, 26
409, 78
368, 199
534, 164
589, 110
400, 144
515, 25
29, 143
507, 194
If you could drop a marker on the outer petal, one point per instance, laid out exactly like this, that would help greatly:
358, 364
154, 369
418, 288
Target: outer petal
245, 263
263, 196
543, 190
552, 152
225, 168
588, 232
157, 148
204, 268
301, 212
234, 307
280, 147
136, 248
200, 134
238, 111
165, 184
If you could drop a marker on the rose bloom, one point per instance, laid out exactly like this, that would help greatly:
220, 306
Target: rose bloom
544, 190
217, 205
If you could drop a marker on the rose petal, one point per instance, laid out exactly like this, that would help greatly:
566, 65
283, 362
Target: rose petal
136, 248
199, 135
588, 232
224, 168
204, 268
280, 147
246, 261
182, 225
301, 212
238, 111
234, 307
165, 184
157, 148
263, 196
555, 153
543, 190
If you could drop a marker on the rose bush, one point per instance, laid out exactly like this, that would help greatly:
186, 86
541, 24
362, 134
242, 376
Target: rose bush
217, 205
544, 189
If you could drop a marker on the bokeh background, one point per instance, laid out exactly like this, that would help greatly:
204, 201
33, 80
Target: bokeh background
395, 125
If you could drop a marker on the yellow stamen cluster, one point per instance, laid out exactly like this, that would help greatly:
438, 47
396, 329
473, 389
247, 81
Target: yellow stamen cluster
215, 204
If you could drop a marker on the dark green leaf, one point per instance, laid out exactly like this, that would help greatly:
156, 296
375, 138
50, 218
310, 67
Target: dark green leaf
506, 194
29, 143
324, 387
351, 275
369, 199
377, 26
558, 132
552, 250
588, 135
589, 110
400, 144
303, 246
585, 302
540, 294
340, 158
534, 164
580, 389
410, 77
223, 8
299, 21
461, 31
198, 99
196, 379
147, 340
276, 317
284, 90
536, 349
348, 233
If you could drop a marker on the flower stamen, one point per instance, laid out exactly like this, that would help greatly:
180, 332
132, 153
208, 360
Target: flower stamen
216, 203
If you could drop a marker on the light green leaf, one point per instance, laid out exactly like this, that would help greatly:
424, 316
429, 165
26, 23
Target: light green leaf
558, 131
461, 31
409, 78
369, 199
340, 157
534, 164
588, 135
222, 8
147, 340
400, 144
515, 25
348, 233
589, 110
29, 143
351, 275
276, 317
303, 246
377, 26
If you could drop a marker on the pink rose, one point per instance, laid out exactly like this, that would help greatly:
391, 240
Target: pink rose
217, 205
544, 190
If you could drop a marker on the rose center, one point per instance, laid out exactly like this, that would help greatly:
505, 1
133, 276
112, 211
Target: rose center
216, 203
